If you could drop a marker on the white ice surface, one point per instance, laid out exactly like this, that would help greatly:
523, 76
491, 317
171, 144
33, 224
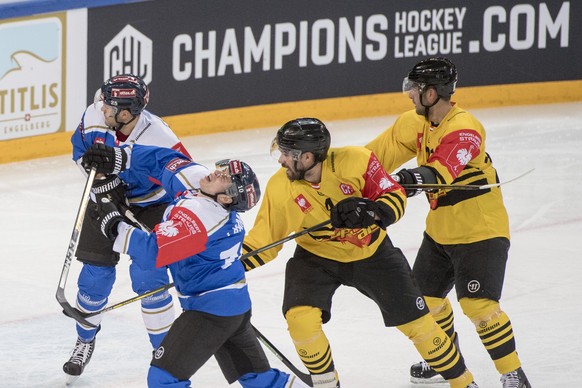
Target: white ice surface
39, 201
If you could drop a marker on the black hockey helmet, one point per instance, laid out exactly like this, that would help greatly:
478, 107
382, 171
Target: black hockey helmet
439, 73
245, 190
303, 135
126, 91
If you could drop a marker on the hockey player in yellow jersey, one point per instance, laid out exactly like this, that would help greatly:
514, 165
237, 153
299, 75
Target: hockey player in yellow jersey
348, 184
466, 240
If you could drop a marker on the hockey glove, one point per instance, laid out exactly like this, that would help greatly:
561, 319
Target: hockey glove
108, 217
108, 160
409, 177
111, 187
354, 213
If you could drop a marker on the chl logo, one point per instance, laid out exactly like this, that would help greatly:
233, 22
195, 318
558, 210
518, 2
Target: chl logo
420, 303
473, 286
129, 51
159, 353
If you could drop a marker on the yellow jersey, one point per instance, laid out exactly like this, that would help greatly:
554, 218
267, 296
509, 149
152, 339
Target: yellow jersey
293, 206
455, 151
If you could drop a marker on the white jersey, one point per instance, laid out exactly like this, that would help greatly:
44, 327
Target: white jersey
149, 130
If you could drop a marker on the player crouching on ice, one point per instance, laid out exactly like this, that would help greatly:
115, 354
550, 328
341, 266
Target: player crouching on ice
199, 239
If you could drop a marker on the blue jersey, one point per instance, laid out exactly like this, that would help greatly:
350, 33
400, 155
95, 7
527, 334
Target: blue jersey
149, 130
163, 168
198, 239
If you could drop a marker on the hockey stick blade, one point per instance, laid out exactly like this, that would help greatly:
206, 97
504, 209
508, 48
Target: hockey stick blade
74, 313
438, 186
306, 378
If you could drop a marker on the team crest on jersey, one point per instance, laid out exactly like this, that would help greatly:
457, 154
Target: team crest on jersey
346, 189
169, 228
385, 183
176, 163
99, 140
464, 156
181, 236
303, 203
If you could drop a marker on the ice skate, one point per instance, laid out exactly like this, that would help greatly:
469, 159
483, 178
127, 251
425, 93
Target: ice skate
80, 357
515, 379
422, 373
326, 380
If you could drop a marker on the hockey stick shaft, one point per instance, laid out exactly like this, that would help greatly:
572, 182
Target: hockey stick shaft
60, 294
306, 378
127, 213
437, 186
286, 239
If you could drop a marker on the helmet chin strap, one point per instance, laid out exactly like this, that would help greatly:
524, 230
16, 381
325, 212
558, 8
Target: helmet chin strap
427, 107
121, 124
302, 172
215, 198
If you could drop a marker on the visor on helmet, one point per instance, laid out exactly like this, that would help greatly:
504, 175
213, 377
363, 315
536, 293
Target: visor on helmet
276, 151
408, 85
224, 166
244, 190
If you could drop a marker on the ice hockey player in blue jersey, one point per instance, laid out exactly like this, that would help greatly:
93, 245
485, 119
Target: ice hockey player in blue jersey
119, 117
200, 239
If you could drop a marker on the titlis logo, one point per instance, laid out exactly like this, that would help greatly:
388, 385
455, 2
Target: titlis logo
129, 51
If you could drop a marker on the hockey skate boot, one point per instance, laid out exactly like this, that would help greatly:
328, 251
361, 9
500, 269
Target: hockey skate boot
473, 385
515, 379
80, 357
422, 373
326, 380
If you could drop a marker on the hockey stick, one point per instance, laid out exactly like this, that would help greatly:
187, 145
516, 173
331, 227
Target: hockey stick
438, 186
143, 227
306, 378
80, 316
288, 238
60, 295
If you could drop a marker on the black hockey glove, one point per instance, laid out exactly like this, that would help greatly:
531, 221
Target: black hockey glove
111, 187
409, 177
108, 217
354, 213
107, 159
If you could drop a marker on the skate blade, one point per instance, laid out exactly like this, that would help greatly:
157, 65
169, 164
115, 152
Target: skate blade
70, 380
433, 380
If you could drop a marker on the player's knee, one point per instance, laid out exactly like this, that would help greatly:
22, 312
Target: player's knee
420, 329
437, 305
304, 322
146, 280
480, 310
96, 283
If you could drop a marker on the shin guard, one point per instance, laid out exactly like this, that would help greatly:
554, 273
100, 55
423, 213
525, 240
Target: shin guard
435, 346
158, 315
495, 332
441, 310
305, 328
